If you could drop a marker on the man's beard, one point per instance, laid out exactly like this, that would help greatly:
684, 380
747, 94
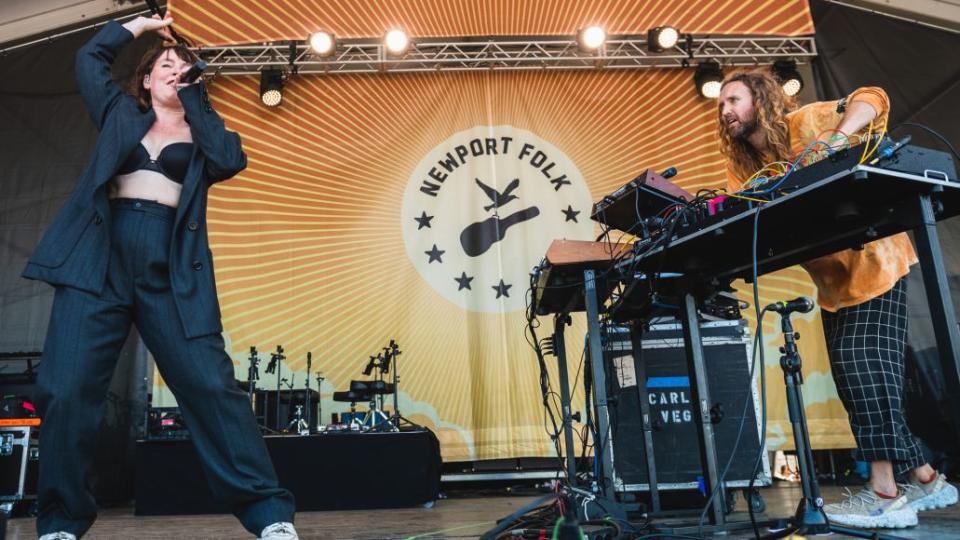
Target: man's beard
744, 129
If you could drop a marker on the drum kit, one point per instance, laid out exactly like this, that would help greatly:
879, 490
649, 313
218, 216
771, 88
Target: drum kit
298, 411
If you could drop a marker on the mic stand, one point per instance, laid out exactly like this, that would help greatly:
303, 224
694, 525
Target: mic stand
253, 374
278, 357
398, 418
810, 519
307, 399
271, 367
394, 355
382, 363
320, 379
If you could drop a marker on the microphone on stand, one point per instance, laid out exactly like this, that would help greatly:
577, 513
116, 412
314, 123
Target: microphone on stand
802, 305
307, 398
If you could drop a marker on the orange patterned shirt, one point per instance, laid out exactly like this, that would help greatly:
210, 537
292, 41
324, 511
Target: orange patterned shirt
848, 277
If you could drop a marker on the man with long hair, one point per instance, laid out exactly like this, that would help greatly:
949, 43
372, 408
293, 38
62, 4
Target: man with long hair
862, 293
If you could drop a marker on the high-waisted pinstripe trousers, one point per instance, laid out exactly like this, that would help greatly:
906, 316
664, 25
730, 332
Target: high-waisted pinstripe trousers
82, 346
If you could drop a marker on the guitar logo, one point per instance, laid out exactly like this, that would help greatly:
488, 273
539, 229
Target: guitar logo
480, 210
478, 237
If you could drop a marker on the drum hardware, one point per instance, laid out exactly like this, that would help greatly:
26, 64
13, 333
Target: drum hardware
276, 359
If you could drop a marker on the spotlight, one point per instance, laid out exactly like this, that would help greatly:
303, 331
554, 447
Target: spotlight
708, 79
786, 72
662, 38
271, 87
591, 38
323, 43
396, 42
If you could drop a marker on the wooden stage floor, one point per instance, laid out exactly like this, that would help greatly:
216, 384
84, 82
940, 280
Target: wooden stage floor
456, 517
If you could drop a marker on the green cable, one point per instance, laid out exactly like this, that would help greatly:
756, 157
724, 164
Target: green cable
556, 530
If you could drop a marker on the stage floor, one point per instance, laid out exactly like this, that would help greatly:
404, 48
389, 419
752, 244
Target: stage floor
457, 517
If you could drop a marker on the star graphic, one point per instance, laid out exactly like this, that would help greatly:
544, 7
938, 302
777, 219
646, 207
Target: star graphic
463, 282
423, 221
571, 214
502, 289
435, 254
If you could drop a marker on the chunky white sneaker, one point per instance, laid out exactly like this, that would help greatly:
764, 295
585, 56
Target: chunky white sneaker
937, 494
867, 510
279, 531
59, 535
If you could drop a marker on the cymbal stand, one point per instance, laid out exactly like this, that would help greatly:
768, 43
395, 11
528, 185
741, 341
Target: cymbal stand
394, 355
298, 425
253, 374
307, 399
276, 359
375, 418
320, 379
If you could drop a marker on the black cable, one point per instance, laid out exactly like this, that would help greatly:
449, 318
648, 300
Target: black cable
758, 340
513, 518
534, 342
934, 133
763, 380
669, 535
743, 418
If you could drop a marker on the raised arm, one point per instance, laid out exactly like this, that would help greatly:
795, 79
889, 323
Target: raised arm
221, 148
100, 92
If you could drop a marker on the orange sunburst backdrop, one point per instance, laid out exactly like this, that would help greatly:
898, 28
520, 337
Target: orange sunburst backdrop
220, 22
317, 243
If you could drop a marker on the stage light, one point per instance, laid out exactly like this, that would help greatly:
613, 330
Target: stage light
271, 87
591, 38
662, 38
323, 43
708, 79
396, 42
786, 72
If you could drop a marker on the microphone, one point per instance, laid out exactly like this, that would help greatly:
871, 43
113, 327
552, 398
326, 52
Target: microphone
802, 304
669, 173
194, 72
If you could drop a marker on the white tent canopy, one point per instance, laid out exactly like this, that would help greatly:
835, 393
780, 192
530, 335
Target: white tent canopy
21, 20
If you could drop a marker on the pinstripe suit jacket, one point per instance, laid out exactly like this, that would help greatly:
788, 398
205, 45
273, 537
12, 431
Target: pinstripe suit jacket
75, 249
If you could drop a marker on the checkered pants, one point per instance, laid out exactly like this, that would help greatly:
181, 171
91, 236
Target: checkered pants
866, 343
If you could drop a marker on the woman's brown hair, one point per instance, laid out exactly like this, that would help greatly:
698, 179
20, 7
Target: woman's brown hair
146, 66
771, 106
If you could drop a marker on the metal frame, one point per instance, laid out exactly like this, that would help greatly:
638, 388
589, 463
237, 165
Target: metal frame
504, 53
16, 436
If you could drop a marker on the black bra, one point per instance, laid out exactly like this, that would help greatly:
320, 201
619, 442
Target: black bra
172, 161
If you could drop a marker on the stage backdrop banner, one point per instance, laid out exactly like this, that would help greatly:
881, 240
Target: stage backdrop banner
414, 206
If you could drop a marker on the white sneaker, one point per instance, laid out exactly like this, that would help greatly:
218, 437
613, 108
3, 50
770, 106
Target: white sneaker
59, 535
867, 510
278, 531
937, 494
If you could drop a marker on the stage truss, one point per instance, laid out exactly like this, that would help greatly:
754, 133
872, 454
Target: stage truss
504, 53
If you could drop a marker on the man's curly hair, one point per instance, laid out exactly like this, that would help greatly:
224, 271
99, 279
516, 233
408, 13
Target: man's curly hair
771, 106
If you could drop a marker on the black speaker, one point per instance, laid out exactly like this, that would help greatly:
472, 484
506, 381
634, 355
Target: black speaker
726, 347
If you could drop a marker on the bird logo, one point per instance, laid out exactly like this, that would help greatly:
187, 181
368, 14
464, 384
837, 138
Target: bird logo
499, 199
